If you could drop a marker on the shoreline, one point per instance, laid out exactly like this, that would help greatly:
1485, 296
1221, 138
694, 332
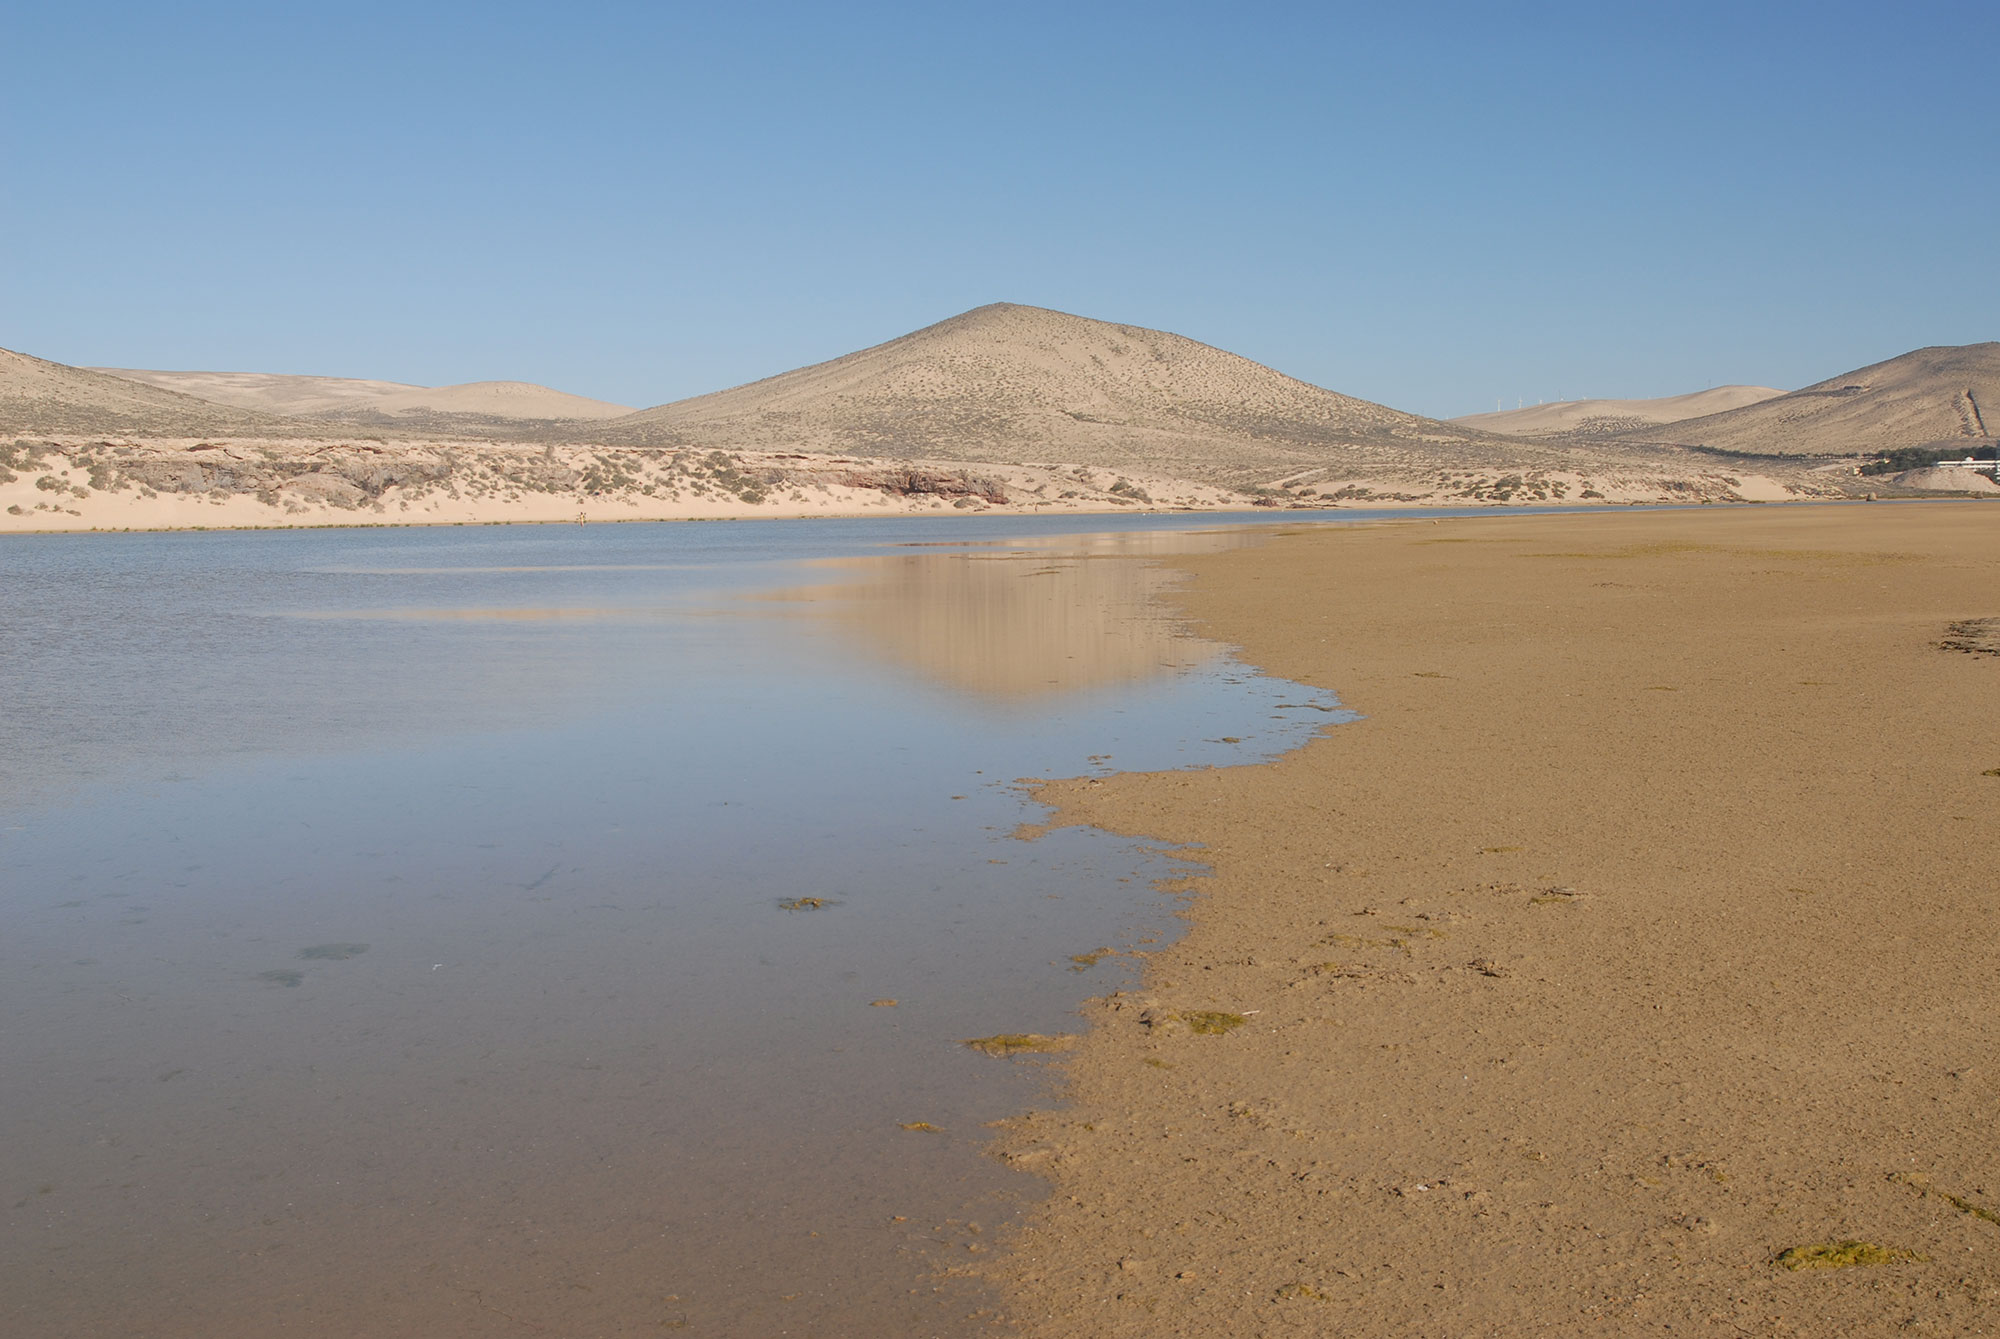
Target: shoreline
1360, 513
1642, 931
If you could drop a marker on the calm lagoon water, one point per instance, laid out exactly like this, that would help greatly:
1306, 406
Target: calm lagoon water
393, 926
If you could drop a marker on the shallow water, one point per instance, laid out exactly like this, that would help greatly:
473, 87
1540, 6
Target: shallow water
395, 937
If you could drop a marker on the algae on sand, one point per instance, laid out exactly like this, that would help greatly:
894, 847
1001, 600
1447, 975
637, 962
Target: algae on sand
1212, 1023
1013, 1043
1840, 1255
804, 903
1923, 1185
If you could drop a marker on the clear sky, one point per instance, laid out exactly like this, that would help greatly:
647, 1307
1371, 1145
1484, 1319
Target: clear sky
1431, 205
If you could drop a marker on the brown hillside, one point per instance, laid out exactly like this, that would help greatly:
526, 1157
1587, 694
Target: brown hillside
38, 396
1012, 383
1939, 394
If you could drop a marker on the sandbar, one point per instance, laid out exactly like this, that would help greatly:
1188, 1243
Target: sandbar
1631, 967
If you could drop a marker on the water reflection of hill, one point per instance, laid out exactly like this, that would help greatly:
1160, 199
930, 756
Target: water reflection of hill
1019, 623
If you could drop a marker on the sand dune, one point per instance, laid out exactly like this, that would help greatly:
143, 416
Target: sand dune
1601, 418
267, 392
502, 399
353, 400
1014, 383
38, 396
1947, 394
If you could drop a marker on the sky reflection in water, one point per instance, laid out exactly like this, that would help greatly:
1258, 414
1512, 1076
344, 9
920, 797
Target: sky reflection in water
586, 1071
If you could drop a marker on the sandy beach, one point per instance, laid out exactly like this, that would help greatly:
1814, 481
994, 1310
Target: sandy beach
1630, 968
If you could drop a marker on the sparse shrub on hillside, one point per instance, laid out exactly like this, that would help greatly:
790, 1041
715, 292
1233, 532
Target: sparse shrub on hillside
1922, 457
608, 473
928, 483
722, 468
24, 454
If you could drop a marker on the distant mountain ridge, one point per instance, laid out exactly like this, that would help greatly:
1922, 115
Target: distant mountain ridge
352, 400
38, 396
1011, 384
1943, 394
1604, 418
1019, 384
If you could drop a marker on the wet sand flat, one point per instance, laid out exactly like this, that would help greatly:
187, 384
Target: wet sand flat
1637, 952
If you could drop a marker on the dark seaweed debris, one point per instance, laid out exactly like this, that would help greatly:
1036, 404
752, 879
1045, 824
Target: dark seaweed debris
332, 952
1973, 636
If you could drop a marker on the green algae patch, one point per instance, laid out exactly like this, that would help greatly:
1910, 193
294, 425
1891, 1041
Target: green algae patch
282, 976
1014, 1043
1966, 1206
1156, 1062
1211, 1023
1924, 1186
922, 1126
804, 903
1839, 1255
1303, 1292
1083, 962
333, 952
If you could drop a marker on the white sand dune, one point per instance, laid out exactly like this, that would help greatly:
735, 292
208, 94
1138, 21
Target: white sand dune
502, 399
1602, 417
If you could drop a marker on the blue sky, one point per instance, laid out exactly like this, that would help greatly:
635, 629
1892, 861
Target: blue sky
1431, 205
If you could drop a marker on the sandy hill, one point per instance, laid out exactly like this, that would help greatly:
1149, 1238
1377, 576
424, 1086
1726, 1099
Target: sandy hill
1944, 394
38, 396
1601, 418
1017, 384
349, 400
